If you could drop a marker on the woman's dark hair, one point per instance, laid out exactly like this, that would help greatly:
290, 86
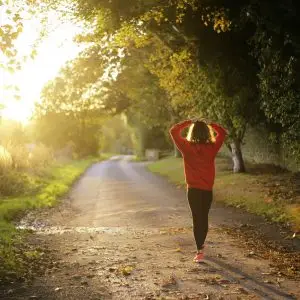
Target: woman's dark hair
201, 133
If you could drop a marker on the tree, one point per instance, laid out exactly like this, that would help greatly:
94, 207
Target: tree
68, 101
10, 29
181, 62
116, 136
145, 103
231, 61
14, 15
276, 45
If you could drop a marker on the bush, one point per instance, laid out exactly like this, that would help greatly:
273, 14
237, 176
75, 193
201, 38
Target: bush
40, 156
19, 155
14, 183
15, 162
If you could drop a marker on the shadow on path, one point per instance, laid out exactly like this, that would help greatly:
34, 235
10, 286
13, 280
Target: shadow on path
251, 284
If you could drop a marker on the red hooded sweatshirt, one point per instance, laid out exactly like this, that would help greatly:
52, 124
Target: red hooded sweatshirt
199, 159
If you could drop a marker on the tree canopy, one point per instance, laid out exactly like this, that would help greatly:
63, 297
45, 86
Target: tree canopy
234, 62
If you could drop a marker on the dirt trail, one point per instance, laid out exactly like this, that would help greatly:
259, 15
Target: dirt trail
125, 233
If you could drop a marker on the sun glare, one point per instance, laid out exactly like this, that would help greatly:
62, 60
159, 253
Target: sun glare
52, 53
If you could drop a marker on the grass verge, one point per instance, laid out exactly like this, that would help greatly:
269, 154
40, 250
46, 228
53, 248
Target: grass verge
271, 195
137, 158
56, 182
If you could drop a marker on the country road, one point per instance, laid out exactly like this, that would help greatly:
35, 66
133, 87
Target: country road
125, 233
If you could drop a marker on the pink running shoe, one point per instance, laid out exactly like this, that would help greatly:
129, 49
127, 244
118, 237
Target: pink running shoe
199, 257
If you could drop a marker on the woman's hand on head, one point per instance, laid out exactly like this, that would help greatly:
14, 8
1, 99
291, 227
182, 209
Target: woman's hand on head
207, 121
200, 119
193, 118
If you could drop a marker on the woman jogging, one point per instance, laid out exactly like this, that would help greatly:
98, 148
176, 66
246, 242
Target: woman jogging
199, 150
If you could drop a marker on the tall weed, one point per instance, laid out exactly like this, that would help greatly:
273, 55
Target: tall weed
6, 162
19, 168
19, 154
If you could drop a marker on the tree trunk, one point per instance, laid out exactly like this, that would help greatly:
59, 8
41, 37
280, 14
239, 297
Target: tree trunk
237, 157
177, 153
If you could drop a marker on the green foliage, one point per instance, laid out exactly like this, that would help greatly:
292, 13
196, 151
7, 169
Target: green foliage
235, 63
19, 154
116, 135
13, 183
10, 29
270, 30
170, 167
279, 87
192, 89
71, 92
17, 160
40, 157
14, 15
15, 164
70, 102
81, 132
205, 90
16, 153
12, 132
148, 104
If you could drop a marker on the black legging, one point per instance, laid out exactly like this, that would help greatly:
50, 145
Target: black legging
200, 202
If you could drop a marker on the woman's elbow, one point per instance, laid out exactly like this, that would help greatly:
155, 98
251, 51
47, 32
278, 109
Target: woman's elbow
172, 130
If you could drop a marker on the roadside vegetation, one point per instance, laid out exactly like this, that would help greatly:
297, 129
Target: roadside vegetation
38, 182
265, 190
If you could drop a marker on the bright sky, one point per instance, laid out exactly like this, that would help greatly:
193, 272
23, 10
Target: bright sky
53, 52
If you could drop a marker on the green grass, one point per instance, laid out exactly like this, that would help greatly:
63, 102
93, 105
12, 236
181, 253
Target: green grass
246, 191
137, 158
171, 167
107, 155
56, 183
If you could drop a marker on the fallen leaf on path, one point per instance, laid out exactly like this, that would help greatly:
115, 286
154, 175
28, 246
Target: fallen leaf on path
170, 282
268, 281
279, 281
224, 281
250, 254
127, 270
243, 291
112, 269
